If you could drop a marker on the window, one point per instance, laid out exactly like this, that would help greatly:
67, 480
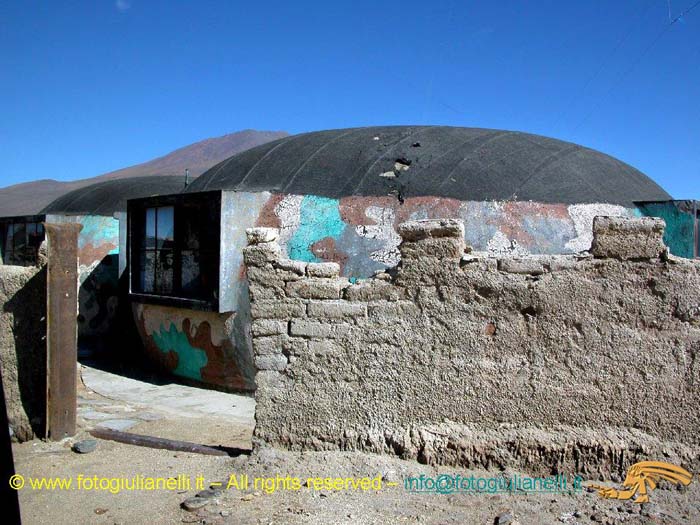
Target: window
157, 258
174, 245
20, 241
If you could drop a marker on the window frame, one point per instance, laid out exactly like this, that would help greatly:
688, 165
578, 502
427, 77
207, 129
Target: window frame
26, 220
135, 246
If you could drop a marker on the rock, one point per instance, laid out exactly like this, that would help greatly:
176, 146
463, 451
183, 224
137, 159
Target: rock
225, 513
261, 235
247, 497
192, 504
85, 446
597, 517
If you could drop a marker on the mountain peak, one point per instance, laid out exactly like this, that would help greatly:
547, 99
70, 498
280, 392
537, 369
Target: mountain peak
27, 198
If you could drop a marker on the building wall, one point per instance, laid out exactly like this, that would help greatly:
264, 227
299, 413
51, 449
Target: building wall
548, 363
204, 347
680, 218
98, 272
360, 234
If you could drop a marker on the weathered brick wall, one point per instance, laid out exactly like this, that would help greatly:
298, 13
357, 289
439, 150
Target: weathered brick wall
574, 363
23, 348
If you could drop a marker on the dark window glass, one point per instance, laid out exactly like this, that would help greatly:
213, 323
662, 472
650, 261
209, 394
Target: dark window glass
9, 243
20, 242
177, 249
148, 267
165, 227
151, 228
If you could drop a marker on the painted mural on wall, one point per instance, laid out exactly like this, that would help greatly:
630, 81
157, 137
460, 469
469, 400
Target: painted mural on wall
98, 252
680, 232
195, 345
98, 271
360, 232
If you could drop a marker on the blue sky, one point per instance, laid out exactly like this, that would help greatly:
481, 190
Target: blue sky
88, 87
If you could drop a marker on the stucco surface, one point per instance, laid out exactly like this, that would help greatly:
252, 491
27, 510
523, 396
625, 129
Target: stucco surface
551, 363
360, 233
23, 347
196, 345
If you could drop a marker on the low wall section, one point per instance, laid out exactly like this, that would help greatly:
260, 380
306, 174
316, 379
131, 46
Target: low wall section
23, 348
582, 363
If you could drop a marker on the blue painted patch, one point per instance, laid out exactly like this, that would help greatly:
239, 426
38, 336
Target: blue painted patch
190, 360
99, 230
319, 218
679, 234
549, 234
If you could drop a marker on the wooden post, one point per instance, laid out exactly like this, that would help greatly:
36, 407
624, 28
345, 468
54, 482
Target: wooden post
61, 329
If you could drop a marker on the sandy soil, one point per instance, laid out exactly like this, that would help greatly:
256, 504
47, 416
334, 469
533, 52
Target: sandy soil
306, 505
255, 505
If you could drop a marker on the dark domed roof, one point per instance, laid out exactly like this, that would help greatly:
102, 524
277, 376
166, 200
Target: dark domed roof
462, 163
105, 198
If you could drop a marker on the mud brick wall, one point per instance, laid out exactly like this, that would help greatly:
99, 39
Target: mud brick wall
23, 348
578, 363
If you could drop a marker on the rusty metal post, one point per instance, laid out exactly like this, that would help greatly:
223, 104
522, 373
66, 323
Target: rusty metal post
61, 329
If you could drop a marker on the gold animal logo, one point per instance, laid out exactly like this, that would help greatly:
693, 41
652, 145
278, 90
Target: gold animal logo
642, 478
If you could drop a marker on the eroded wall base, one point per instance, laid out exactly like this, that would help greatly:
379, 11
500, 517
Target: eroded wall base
544, 362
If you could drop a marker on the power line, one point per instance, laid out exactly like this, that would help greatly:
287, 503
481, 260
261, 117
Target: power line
646, 50
600, 68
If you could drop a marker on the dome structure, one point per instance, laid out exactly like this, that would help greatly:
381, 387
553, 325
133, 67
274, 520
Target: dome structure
108, 197
469, 164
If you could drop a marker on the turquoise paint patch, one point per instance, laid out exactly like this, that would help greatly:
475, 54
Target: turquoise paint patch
679, 234
99, 230
319, 218
190, 360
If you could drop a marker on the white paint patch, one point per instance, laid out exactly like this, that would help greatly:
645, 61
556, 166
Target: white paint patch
582, 216
500, 244
156, 318
289, 213
383, 230
85, 270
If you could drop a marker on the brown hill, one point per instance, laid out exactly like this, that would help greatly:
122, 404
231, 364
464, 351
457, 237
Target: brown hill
28, 198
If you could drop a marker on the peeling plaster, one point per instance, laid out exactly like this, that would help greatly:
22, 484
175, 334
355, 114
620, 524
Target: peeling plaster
582, 216
383, 231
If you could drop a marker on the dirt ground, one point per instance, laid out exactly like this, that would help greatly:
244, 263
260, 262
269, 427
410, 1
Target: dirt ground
273, 503
306, 505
